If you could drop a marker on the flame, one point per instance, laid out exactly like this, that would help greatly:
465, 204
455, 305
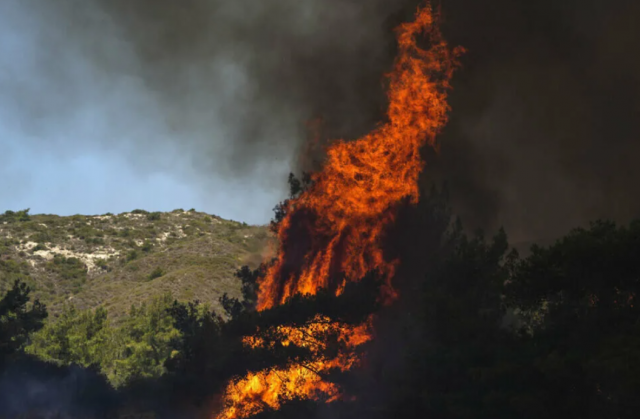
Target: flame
336, 226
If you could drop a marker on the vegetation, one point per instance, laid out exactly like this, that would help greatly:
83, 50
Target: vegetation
136, 348
15, 216
18, 320
477, 332
109, 260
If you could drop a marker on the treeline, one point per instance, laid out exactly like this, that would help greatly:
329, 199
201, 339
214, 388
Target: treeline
136, 347
477, 332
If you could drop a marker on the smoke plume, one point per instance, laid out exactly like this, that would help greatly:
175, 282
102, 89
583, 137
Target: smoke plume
543, 130
198, 88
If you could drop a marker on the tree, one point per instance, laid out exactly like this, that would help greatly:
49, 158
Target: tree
296, 188
249, 279
18, 320
76, 337
205, 354
135, 349
141, 345
441, 349
579, 297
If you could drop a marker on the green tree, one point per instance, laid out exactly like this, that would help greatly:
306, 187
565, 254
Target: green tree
76, 337
18, 320
134, 349
142, 343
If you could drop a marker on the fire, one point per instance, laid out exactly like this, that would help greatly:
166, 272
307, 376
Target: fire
336, 226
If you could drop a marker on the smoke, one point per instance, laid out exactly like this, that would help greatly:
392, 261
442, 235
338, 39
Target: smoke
542, 137
544, 130
196, 88
31, 388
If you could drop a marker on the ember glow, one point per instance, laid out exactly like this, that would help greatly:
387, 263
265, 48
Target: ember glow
335, 228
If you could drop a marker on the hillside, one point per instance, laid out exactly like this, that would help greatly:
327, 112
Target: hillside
124, 259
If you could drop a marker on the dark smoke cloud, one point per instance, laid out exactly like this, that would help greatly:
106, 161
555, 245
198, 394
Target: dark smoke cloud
204, 87
544, 131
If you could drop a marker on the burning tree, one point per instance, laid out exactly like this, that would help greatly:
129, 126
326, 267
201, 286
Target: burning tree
331, 234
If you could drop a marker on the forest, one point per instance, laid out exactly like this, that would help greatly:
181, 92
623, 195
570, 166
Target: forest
477, 331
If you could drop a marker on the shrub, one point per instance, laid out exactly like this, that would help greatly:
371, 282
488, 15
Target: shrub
156, 273
146, 246
40, 246
154, 216
11, 266
94, 240
15, 216
102, 264
132, 255
41, 237
68, 269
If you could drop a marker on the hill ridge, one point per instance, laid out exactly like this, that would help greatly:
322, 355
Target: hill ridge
116, 260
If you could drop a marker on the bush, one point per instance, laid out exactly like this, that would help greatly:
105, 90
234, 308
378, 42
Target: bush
15, 216
146, 246
102, 264
156, 273
154, 216
94, 240
132, 255
41, 237
11, 266
68, 269
39, 246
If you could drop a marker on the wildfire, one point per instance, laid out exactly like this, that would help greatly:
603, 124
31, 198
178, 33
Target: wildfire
337, 225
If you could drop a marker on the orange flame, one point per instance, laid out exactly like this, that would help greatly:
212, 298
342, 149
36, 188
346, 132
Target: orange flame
337, 225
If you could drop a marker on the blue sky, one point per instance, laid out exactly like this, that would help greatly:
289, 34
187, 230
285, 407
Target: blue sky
82, 131
96, 183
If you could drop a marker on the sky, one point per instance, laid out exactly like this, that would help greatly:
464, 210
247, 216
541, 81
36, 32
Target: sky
100, 182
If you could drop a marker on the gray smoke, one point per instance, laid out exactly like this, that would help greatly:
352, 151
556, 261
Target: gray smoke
200, 88
30, 388
544, 131
543, 135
